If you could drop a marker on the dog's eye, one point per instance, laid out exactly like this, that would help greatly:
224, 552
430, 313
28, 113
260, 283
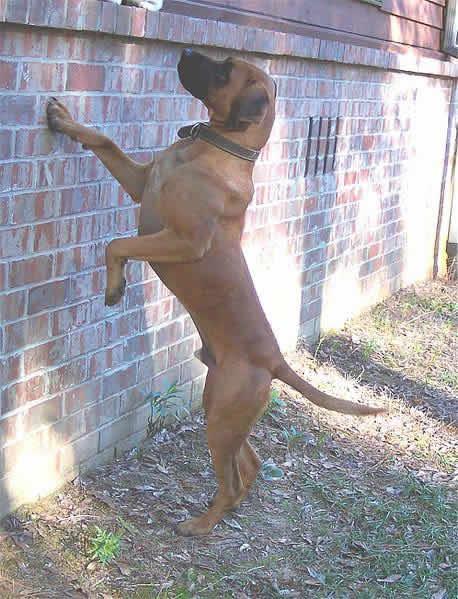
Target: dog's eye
220, 78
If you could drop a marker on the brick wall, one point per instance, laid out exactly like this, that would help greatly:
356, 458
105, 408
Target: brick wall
74, 374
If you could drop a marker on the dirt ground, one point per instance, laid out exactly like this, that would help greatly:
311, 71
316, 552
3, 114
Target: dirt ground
343, 508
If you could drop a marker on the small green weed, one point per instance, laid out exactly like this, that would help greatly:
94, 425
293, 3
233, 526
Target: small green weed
449, 378
104, 545
166, 407
293, 437
276, 406
368, 348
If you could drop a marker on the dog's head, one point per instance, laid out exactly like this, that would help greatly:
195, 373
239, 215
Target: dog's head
239, 96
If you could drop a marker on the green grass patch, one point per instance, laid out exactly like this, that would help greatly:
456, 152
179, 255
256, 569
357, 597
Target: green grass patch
396, 541
104, 546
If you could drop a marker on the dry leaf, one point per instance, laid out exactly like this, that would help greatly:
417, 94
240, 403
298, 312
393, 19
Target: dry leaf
124, 568
390, 579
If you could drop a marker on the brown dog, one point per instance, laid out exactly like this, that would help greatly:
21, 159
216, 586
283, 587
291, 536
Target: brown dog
193, 202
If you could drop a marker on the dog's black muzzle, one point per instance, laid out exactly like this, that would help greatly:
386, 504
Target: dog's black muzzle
198, 73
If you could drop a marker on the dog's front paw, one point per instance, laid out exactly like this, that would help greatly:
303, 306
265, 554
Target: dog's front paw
58, 116
113, 296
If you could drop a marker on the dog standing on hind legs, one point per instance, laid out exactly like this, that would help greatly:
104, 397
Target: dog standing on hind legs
193, 200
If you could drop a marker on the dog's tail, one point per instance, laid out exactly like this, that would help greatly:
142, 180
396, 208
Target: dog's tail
286, 374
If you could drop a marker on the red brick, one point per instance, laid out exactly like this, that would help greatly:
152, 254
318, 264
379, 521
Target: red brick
190, 370
168, 334
132, 398
47, 12
138, 22
85, 340
44, 355
122, 79
79, 259
17, 110
124, 325
26, 332
85, 77
118, 381
139, 345
152, 25
152, 365
157, 314
126, 426
30, 270
142, 294
8, 430
33, 142
92, 12
55, 172
47, 296
15, 242
16, 11
71, 428
19, 394
22, 175
79, 398
45, 236
10, 369
36, 76
108, 21
46, 412
7, 75
91, 169
6, 177
22, 43
180, 352
80, 199
12, 305
106, 359
101, 413
67, 376
6, 144
29, 207
86, 285
123, 20
70, 318
75, 13
100, 109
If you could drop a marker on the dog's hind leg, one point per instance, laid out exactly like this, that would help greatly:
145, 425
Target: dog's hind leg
235, 396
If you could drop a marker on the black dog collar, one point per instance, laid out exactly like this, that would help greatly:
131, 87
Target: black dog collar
206, 133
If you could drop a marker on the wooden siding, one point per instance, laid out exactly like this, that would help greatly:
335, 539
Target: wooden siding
396, 23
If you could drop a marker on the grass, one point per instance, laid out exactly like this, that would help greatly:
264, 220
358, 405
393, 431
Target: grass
104, 546
401, 534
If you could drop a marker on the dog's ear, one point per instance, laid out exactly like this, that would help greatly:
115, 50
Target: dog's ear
250, 107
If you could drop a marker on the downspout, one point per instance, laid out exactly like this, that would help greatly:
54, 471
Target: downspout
452, 242
446, 210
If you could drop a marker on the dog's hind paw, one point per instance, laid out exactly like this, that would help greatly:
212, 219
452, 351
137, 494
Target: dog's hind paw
113, 296
194, 527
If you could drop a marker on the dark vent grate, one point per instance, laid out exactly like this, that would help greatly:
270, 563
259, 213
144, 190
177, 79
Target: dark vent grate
321, 145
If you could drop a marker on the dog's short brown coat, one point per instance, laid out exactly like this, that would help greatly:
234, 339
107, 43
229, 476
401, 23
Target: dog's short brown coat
193, 200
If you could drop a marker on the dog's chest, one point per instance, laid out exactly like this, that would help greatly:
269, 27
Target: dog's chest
150, 211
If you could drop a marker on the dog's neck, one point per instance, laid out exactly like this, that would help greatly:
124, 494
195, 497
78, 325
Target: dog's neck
254, 136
